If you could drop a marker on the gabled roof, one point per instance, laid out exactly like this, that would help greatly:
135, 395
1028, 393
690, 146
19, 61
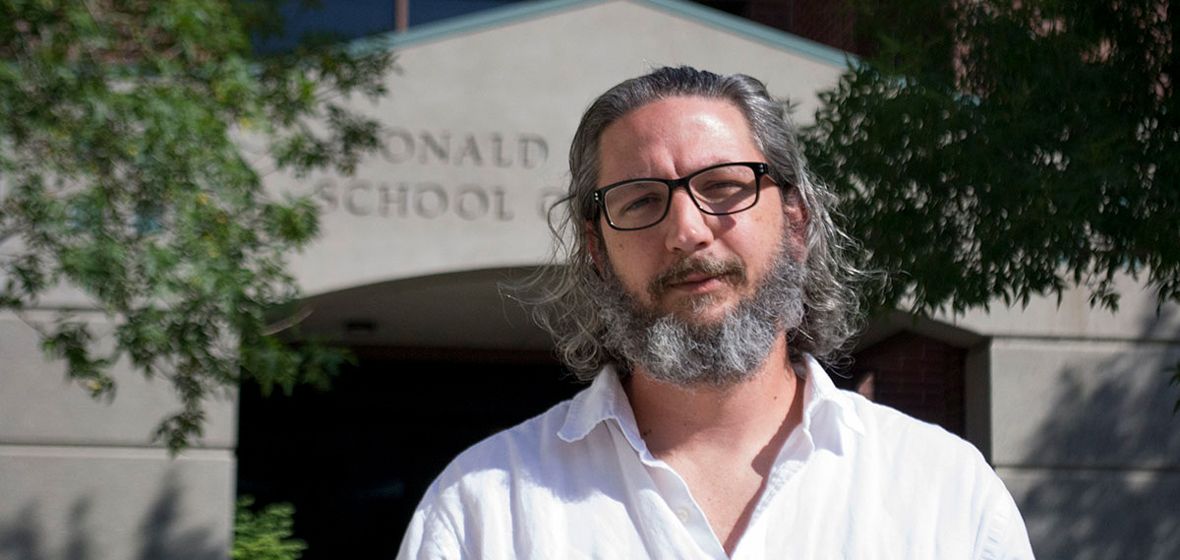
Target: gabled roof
677, 8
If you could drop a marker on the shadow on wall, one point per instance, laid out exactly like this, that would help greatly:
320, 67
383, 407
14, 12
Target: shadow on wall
159, 533
1110, 450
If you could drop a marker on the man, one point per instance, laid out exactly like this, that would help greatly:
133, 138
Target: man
704, 279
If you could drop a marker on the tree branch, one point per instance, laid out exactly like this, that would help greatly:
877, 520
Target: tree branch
287, 322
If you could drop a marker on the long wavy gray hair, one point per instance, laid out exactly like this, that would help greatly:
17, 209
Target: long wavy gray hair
560, 294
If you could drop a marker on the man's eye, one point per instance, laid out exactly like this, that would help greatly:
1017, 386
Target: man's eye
640, 203
721, 189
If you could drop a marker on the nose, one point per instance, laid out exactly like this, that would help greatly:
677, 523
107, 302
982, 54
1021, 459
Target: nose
686, 229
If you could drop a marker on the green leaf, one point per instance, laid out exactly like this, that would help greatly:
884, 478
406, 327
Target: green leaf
131, 187
265, 533
1003, 151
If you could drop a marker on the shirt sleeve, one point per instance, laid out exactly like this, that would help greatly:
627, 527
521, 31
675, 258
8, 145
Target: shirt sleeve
1003, 534
430, 535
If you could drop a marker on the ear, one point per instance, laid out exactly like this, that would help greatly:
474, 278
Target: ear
594, 245
798, 218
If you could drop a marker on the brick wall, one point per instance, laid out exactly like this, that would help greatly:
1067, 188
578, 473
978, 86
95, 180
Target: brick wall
824, 21
918, 375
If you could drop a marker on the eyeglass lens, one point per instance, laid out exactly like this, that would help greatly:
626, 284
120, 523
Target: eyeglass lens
717, 191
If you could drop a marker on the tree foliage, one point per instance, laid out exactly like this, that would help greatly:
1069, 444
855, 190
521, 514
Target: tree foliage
265, 534
1003, 149
134, 135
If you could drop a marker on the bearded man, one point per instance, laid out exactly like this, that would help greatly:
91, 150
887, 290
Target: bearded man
704, 282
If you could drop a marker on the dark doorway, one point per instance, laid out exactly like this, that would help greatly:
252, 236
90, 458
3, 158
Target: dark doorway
916, 374
355, 460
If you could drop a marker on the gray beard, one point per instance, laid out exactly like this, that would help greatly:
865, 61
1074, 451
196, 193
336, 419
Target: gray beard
718, 355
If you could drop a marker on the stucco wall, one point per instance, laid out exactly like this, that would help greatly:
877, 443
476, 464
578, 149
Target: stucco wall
80, 479
1080, 421
1083, 433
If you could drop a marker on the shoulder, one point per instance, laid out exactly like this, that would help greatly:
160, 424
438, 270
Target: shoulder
904, 438
473, 493
920, 461
519, 449
928, 468
880, 435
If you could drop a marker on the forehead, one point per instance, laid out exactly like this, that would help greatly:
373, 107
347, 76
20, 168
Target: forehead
674, 136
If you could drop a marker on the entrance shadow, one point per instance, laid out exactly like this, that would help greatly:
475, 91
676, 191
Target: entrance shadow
354, 461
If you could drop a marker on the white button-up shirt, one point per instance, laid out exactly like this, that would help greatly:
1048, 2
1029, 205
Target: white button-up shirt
854, 480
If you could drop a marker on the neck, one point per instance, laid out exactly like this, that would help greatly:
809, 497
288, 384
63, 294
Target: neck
761, 410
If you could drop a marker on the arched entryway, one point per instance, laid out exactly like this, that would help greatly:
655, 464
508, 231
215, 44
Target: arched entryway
441, 363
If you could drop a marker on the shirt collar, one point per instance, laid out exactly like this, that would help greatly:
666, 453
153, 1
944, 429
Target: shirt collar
605, 399
827, 411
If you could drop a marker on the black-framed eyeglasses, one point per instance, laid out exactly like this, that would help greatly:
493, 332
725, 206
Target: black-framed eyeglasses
718, 190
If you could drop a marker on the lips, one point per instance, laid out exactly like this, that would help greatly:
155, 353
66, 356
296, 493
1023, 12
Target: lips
696, 278
695, 273
695, 281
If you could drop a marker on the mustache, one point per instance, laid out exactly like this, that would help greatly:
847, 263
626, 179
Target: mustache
732, 270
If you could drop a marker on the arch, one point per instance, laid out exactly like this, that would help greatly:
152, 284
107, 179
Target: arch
467, 309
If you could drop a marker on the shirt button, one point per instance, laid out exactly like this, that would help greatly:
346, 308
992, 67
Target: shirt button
682, 513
